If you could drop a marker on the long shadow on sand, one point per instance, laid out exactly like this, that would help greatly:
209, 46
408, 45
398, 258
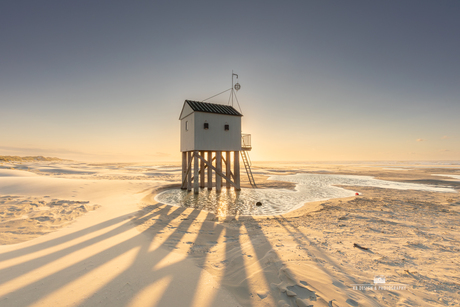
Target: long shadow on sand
236, 252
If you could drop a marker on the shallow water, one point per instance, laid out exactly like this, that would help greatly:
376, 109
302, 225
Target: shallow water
448, 175
309, 188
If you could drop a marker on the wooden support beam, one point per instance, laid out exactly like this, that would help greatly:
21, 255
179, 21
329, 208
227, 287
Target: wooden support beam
202, 170
189, 171
195, 172
185, 182
218, 171
210, 159
222, 175
184, 170
236, 170
227, 167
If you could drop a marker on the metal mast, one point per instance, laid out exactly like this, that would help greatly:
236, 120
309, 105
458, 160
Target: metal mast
237, 86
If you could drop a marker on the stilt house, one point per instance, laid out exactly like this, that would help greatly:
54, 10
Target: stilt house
211, 132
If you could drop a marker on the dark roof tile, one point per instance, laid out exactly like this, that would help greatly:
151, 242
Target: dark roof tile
212, 108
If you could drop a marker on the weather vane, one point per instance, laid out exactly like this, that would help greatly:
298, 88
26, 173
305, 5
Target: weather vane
237, 85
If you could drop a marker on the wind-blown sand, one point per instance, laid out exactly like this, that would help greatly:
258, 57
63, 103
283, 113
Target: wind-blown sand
93, 235
25, 218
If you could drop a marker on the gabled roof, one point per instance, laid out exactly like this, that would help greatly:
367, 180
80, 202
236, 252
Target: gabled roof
206, 107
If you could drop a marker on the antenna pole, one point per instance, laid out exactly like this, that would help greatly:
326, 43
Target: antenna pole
233, 74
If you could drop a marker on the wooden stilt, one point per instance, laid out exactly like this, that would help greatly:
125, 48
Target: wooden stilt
227, 168
202, 170
222, 175
189, 171
209, 170
219, 170
236, 171
184, 170
195, 172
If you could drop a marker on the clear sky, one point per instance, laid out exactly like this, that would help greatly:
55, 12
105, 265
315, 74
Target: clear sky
320, 80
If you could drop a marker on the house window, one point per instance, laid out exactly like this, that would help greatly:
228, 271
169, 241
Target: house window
186, 125
227, 127
206, 126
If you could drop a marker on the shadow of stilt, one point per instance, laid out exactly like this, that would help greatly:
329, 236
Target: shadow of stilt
147, 260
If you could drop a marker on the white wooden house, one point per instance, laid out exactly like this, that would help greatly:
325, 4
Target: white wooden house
209, 126
207, 131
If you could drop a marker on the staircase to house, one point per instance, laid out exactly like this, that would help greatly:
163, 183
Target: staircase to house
245, 148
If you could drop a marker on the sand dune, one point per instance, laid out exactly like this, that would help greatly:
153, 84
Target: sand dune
93, 235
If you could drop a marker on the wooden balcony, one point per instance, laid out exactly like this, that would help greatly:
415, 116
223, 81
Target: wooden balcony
246, 142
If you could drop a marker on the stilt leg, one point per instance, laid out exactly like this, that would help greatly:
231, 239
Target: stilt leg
189, 171
219, 169
209, 171
184, 171
236, 171
195, 172
227, 168
202, 170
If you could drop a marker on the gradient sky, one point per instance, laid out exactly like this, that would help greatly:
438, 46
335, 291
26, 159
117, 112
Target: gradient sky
320, 80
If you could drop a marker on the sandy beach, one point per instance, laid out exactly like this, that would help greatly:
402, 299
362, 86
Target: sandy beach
81, 234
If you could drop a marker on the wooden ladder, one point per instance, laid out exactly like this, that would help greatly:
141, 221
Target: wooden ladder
247, 166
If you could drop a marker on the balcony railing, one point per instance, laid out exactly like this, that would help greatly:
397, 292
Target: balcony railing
246, 142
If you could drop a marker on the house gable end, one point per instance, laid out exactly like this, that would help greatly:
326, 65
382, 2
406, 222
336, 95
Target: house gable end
186, 110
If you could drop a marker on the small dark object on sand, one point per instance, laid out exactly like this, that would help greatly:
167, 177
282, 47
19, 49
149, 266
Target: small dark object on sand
359, 246
258, 203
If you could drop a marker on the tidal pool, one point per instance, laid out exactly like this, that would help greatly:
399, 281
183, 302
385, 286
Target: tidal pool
309, 188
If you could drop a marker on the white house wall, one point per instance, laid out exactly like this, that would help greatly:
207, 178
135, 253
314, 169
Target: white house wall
187, 137
216, 138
